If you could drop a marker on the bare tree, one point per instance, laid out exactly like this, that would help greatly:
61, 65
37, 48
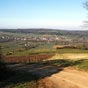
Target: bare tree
86, 7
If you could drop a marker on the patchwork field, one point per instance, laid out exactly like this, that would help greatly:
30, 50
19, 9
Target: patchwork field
32, 61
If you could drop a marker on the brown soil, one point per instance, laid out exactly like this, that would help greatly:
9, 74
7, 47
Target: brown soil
68, 78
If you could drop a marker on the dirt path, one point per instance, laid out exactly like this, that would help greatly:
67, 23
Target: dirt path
70, 79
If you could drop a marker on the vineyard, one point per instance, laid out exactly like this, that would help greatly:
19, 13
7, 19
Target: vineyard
27, 59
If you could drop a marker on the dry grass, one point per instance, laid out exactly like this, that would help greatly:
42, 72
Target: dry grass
72, 56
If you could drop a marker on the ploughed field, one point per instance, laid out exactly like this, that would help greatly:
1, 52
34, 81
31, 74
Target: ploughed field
27, 59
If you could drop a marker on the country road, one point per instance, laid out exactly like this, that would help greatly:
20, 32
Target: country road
70, 79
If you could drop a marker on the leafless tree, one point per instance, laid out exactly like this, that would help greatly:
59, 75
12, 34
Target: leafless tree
85, 5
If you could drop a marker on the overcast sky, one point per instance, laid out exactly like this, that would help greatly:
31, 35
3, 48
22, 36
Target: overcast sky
61, 14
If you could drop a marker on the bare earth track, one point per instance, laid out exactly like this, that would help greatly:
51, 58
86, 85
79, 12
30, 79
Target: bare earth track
70, 79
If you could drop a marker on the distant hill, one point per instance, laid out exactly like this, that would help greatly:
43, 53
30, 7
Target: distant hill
48, 31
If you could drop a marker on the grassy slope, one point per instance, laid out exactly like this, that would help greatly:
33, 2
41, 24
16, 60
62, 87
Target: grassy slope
60, 52
15, 46
81, 64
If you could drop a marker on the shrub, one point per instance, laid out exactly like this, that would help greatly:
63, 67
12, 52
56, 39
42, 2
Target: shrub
3, 68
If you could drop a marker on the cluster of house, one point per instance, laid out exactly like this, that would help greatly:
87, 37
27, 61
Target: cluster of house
39, 38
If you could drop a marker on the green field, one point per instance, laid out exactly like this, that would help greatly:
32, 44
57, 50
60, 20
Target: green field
17, 48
